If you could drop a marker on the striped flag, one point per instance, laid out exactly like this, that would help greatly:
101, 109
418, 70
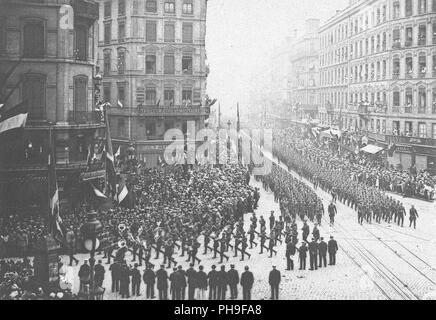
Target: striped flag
14, 117
120, 105
55, 221
123, 193
97, 192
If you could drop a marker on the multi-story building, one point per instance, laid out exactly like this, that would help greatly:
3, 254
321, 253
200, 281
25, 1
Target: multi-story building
378, 72
154, 63
56, 79
304, 77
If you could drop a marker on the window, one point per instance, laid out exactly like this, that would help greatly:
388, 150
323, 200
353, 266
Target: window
150, 126
34, 40
434, 32
121, 127
34, 93
107, 63
169, 34
107, 33
80, 94
422, 60
409, 67
186, 96
121, 95
384, 69
150, 64
107, 9
187, 7
422, 100
409, 98
422, 35
384, 13
150, 96
151, 6
187, 32
81, 51
121, 32
169, 6
107, 92
121, 61
409, 8
422, 6
422, 130
384, 42
121, 7
433, 6
434, 130
187, 64
2, 34
409, 37
169, 97
169, 64
396, 99
434, 65
151, 31
396, 13
433, 107
396, 39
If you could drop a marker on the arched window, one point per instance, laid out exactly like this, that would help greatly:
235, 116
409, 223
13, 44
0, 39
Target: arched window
396, 67
34, 40
422, 100
408, 100
150, 63
396, 97
34, 91
151, 6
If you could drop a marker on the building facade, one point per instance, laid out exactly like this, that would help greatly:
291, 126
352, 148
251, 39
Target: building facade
378, 75
55, 79
154, 63
304, 79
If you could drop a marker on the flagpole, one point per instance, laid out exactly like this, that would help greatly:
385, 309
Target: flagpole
50, 159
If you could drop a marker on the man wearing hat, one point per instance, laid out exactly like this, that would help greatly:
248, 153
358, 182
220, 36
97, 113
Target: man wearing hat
173, 281
191, 275
233, 280
247, 281
222, 282
302, 254
201, 279
149, 280
272, 220
213, 283
99, 272
332, 249
322, 251
181, 282
162, 283
274, 282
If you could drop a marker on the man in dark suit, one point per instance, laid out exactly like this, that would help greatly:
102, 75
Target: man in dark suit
247, 281
136, 281
274, 282
332, 249
290, 252
313, 254
149, 279
233, 280
181, 282
173, 280
322, 252
191, 274
213, 283
115, 269
222, 282
162, 283
99, 272
302, 255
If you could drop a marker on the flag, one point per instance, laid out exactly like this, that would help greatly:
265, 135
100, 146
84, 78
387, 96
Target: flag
1, 105
97, 192
90, 156
118, 153
391, 149
109, 160
54, 221
123, 193
120, 105
14, 117
4, 79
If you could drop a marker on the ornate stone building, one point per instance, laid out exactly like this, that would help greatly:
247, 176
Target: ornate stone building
55, 77
378, 75
154, 62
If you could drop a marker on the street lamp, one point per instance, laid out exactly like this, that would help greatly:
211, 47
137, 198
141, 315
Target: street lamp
90, 231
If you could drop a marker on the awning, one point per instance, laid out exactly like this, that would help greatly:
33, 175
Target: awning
370, 148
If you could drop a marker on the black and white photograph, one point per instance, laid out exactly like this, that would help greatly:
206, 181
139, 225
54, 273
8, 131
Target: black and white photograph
226, 151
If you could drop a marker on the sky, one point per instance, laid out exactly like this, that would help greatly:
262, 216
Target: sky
240, 38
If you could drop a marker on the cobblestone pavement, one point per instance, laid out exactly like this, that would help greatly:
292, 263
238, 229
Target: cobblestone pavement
373, 262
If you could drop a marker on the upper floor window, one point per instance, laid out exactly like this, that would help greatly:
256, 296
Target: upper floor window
169, 32
34, 40
106, 92
107, 63
422, 6
107, 33
121, 32
187, 7
422, 35
34, 92
121, 61
187, 33
433, 6
80, 93
150, 64
107, 9
150, 31
396, 12
169, 64
2, 34
121, 7
409, 36
409, 8
169, 6
151, 6
81, 50
187, 64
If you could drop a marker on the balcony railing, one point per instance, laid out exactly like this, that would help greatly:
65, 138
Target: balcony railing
161, 111
407, 109
84, 117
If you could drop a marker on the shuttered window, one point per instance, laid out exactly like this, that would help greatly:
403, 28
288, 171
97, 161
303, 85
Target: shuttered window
169, 64
169, 35
187, 31
150, 31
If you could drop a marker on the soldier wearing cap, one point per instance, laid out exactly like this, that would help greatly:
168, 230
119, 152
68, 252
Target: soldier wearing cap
136, 281
247, 281
192, 277
213, 283
222, 281
162, 283
274, 282
173, 280
233, 280
149, 280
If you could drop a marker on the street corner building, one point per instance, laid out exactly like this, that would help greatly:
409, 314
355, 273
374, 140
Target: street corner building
378, 76
154, 71
48, 56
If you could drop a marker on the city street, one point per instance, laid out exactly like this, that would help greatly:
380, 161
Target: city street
378, 261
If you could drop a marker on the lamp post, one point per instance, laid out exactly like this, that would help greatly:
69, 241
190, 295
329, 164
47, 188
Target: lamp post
90, 231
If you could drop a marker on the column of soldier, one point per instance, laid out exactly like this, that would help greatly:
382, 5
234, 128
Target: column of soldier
337, 176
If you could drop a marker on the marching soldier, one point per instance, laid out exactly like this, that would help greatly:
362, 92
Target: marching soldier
252, 234
413, 214
206, 241
315, 232
306, 231
253, 220
332, 212
262, 240
223, 247
290, 252
302, 254
216, 243
169, 250
244, 248
272, 220
271, 243
401, 214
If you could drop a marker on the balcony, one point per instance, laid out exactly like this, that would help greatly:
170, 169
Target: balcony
86, 9
161, 111
84, 117
408, 109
